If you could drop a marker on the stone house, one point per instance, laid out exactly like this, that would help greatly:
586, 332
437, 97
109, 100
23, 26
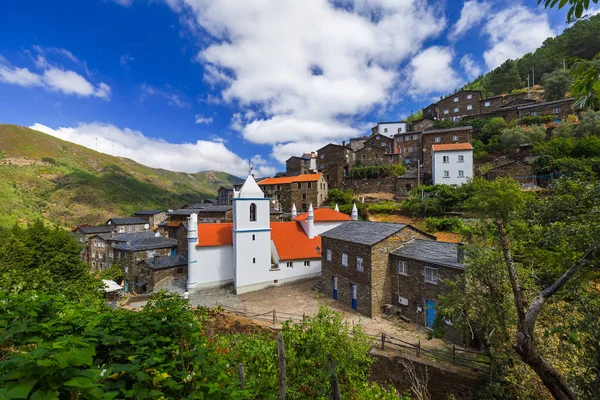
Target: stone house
224, 196
206, 213
301, 190
493, 103
508, 112
408, 145
129, 249
83, 234
372, 155
459, 104
154, 217
419, 268
355, 268
154, 270
559, 108
431, 112
98, 252
441, 136
334, 162
422, 124
305, 164
520, 170
127, 224
356, 144
382, 141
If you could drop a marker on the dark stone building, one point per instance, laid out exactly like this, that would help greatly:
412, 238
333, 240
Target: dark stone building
408, 145
431, 112
372, 155
461, 103
301, 190
154, 217
419, 270
98, 252
334, 162
355, 267
83, 234
127, 224
154, 270
492, 104
304, 164
441, 136
224, 196
356, 144
422, 124
559, 108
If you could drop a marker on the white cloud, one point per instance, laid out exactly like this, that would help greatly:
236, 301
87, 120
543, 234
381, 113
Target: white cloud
124, 3
431, 71
173, 99
472, 13
125, 60
514, 32
265, 57
470, 66
53, 79
200, 119
185, 157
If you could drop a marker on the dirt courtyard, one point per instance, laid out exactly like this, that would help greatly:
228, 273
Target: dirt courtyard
299, 299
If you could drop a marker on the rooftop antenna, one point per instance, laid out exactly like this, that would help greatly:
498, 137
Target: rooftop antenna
250, 167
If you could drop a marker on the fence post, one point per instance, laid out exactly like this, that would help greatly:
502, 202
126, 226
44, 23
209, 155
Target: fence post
281, 355
382, 341
242, 375
274, 317
335, 386
454, 354
419, 348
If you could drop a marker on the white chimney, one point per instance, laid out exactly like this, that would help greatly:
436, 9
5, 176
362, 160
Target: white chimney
336, 208
354, 212
294, 211
310, 222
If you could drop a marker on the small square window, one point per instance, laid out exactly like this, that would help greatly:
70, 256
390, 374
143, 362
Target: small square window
455, 109
290, 264
431, 275
299, 185
486, 104
309, 185
455, 138
402, 267
456, 99
328, 252
446, 174
556, 110
254, 261
469, 107
384, 130
461, 174
180, 270
534, 113
469, 96
446, 111
461, 158
303, 196
438, 139
344, 260
307, 263
359, 264
446, 159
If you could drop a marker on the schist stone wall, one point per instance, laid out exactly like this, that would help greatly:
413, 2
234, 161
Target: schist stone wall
152, 277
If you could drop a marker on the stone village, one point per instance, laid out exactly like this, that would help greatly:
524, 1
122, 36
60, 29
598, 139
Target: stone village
274, 231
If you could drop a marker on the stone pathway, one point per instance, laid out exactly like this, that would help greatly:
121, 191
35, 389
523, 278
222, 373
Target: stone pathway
211, 297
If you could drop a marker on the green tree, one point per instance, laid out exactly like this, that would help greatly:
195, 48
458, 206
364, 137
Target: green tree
512, 138
587, 147
566, 129
556, 84
505, 78
492, 128
589, 124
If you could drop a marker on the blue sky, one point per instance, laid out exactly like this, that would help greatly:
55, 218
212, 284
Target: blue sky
192, 85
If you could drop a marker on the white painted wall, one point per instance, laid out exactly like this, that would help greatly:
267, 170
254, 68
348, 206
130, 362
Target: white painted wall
453, 166
392, 128
298, 270
321, 227
210, 266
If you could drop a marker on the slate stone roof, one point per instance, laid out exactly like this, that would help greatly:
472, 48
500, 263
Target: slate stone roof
459, 129
146, 243
363, 232
147, 212
431, 251
546, 103
204, 208
127, 221
103, 236
128, 237
88, 230
164, 262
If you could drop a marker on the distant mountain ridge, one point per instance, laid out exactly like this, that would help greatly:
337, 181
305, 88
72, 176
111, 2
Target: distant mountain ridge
68, 184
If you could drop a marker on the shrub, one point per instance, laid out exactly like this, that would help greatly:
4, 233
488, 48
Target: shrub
362, 209
446, 224
377, 171
512, 138
340, 196
436, 199
492, 128
385, 207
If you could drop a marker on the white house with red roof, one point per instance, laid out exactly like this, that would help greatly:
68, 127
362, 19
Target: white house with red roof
452, 164
252, 252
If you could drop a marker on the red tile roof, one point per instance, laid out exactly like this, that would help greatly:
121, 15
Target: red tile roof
292, 243
324, 215
451, 147
214, 235
291, 179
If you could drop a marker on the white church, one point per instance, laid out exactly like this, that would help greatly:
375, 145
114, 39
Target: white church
254, 253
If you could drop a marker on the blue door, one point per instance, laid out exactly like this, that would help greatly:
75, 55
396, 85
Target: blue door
429, 313
172, 252
354, 302
334, 285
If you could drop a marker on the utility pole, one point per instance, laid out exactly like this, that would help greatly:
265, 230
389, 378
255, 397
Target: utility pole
418, 173
532, 77
528, 86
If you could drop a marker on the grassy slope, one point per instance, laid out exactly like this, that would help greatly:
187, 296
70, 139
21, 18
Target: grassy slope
68, 184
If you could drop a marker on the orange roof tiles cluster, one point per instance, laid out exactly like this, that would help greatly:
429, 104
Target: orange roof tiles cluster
292, 243
324, 215
214, 235
452, 146
290, 179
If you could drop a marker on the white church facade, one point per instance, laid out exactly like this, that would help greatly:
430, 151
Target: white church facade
252, 252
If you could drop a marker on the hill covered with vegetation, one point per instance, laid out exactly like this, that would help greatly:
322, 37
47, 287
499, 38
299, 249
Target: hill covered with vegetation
582, 40
67, 184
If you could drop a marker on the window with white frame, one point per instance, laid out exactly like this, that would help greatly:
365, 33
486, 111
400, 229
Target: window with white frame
321, 156
556, 110
456, 99
309, 185
383, 143
446, 174
461, 174
344, 259
534, 113
486, 104
469, 96
402, 267
446, 111
431, 275
446, 159
359, 264
469, 107
384, 130
307, 263
455, 109
461, 158
455, 138
290, 264
328, 252
438, 139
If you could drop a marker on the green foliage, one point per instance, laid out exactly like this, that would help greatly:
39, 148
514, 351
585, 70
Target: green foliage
535, 120
113, 273
565, 129
492, 128
42, 259
436, 199
586, 85
340, 196
505, 78
377, 171
512, 138
445, 124
361, 207
589, 124
385, 207
556, 84
445, 224
576, 7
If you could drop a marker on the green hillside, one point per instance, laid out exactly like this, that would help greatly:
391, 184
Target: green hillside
68, 184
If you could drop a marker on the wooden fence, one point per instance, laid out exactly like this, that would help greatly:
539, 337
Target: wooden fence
456, 355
